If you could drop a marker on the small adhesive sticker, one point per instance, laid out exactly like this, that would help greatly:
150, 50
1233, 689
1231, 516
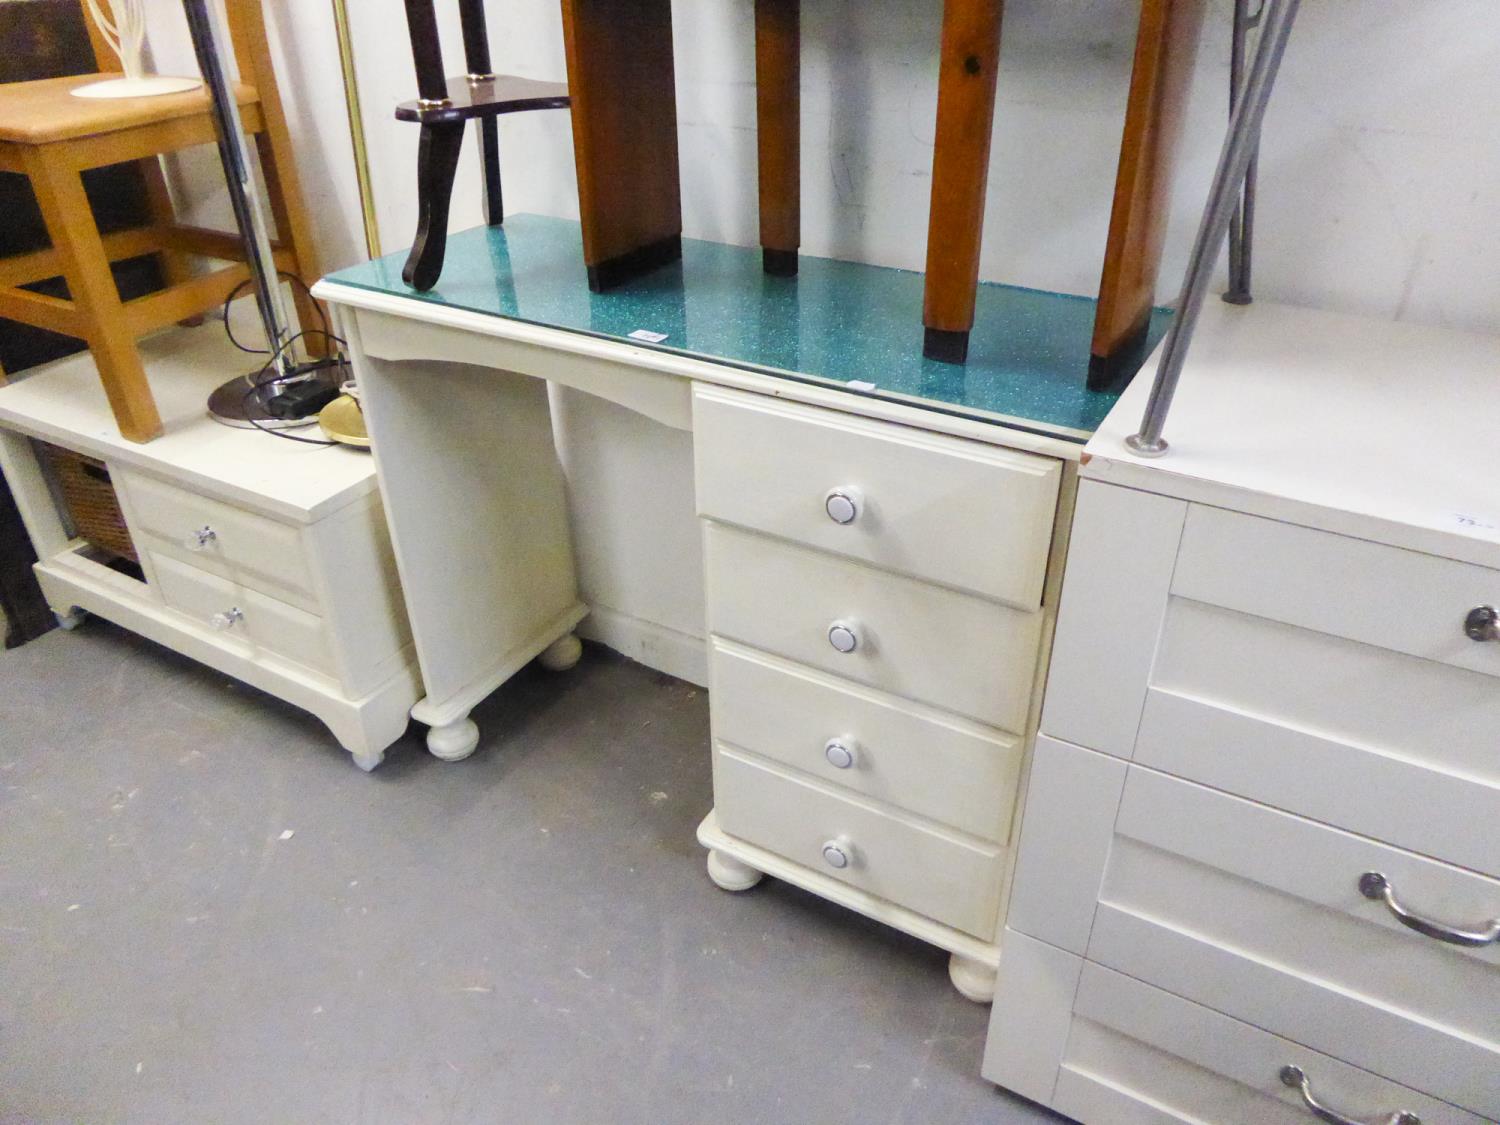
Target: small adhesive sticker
1476, 525
860, 385
648, 337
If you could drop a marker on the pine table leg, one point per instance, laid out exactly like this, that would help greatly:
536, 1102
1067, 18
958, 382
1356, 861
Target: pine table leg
779, 131
91, 285
960, 172
1166, 48
624, 107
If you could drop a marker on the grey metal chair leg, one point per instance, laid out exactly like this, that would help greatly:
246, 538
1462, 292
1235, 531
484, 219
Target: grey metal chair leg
1242, 225
1239, 148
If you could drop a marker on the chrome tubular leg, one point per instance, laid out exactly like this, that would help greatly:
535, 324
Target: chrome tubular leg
1239, 147
1242, 225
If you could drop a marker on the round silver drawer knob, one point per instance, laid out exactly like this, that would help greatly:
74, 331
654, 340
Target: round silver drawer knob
840, 752
836, 853
843, 637
200, 539
226, 620
842, 505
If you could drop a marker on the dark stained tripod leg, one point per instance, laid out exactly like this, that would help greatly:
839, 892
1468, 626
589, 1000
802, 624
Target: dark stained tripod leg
437, 162
489, 155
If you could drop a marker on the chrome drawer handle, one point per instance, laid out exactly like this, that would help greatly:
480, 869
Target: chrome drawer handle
1483, 623
1292, 1076
1374, 885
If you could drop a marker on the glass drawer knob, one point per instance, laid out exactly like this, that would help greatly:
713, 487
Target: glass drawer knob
226, 620
842, 637
200, 539
1483, 623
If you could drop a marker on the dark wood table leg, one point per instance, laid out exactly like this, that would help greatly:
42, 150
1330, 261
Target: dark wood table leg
778, 100
437, 163
624, 105
1166, 48
960, 171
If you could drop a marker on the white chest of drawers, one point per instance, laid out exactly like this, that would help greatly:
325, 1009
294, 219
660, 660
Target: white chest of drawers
877, 607
1260, 865
267, 560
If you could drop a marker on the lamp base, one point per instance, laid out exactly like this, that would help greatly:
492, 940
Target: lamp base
247, 406
148, 87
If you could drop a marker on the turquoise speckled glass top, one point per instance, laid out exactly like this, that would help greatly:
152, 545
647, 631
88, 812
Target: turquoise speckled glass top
835, 323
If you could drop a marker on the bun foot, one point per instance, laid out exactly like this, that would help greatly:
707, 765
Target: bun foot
974, 980
561, 654
729, 873
455, 741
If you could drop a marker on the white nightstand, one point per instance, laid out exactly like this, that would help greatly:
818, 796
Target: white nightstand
266, 559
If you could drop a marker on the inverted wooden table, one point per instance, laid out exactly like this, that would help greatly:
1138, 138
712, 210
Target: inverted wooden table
620, 74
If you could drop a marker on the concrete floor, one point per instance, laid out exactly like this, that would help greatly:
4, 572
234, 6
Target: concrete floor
207, 914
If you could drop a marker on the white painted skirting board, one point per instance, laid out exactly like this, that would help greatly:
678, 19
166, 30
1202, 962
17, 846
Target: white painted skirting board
649, 643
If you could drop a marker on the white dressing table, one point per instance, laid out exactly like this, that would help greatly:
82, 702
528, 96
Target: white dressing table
881, 538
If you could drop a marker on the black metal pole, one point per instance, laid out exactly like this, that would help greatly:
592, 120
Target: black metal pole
244, 193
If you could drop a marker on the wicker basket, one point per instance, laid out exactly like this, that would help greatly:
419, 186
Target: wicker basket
91, 501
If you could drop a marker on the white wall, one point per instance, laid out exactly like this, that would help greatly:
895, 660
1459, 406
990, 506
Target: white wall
1380, 175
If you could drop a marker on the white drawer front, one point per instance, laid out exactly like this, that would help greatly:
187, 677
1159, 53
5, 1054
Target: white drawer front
1367, 592
922, 642
1383, 744
1259, 914
244, 547
948, 879
924, 761
1138, 1054
960, 513
267, 624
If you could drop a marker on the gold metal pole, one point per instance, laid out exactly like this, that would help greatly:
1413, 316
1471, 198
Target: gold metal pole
356, 128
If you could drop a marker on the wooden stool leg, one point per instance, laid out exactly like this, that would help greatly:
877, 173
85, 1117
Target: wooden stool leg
1166, 47
176, 267
437, 163
624, 106
778, 100
91, 285
960, 173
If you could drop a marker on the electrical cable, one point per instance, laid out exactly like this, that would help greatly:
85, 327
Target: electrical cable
259, 380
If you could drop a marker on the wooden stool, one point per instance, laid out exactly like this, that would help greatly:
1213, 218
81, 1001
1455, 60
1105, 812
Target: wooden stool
52, 138
625, 145
444, 106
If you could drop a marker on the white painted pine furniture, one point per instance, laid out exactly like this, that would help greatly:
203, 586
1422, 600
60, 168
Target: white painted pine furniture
881, 581
263, 558
1259, 869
